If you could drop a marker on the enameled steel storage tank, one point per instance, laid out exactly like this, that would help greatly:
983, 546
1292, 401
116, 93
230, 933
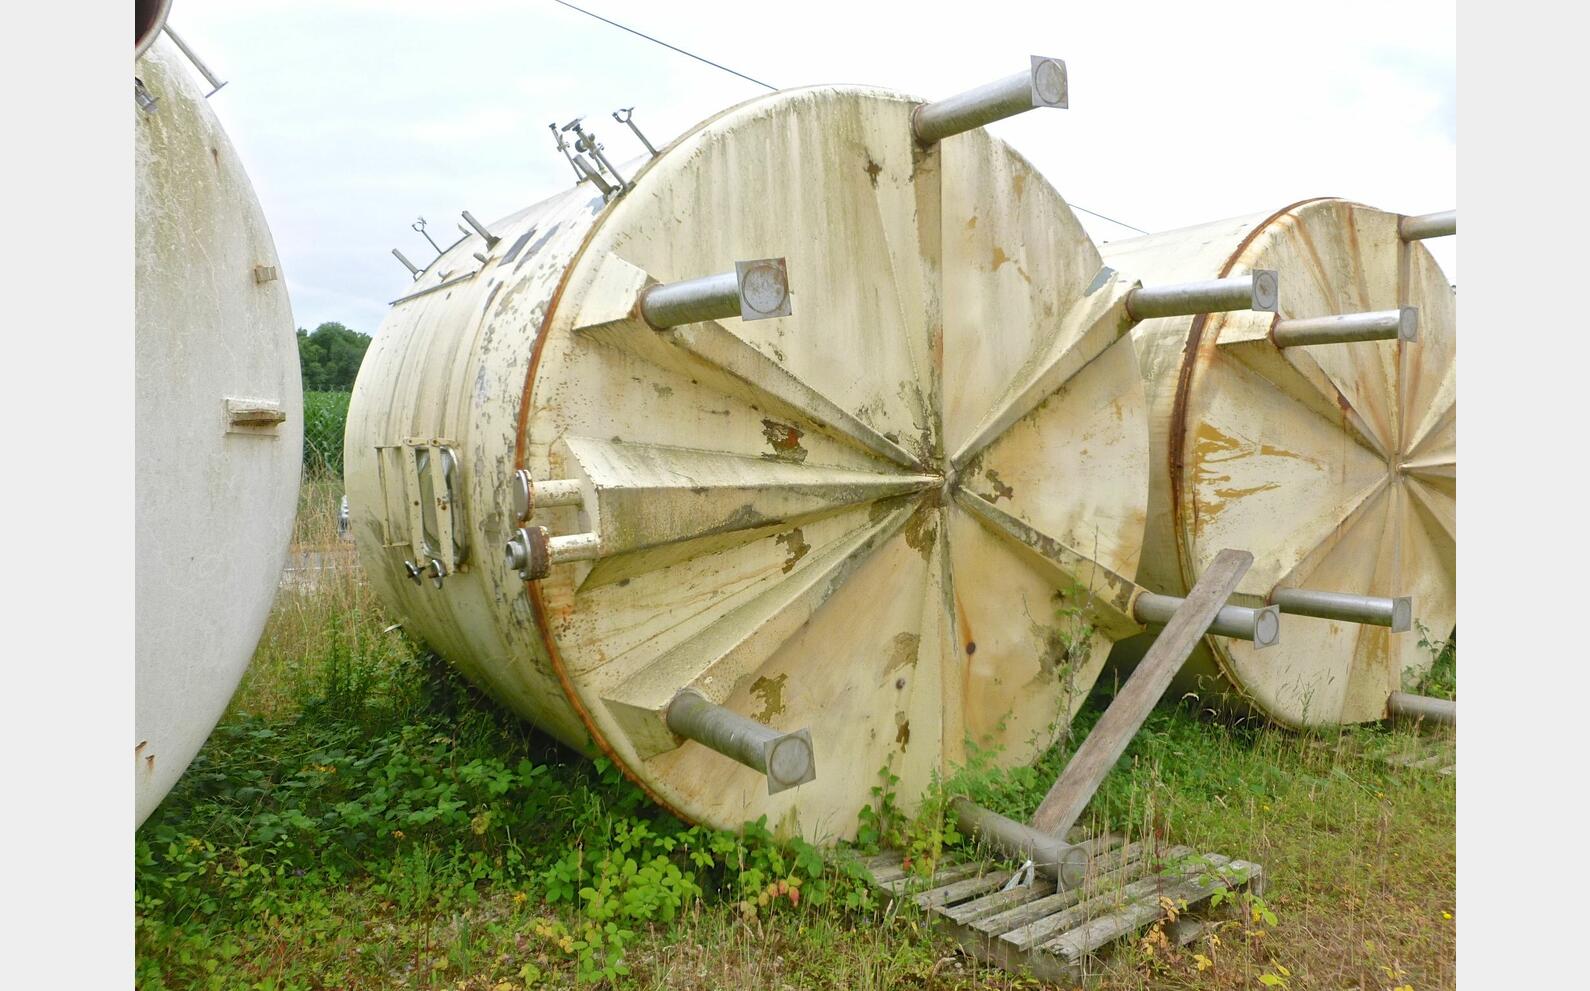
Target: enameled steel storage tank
218, 417
895, 517
1334, 463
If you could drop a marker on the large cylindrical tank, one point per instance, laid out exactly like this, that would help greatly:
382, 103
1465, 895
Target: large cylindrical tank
769, 514
219, 425
1334, 464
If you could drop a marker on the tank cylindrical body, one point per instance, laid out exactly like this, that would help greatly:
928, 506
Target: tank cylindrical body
219, 424
866, 519
1335, 464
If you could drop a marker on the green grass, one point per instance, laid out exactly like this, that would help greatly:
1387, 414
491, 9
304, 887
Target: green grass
362, 818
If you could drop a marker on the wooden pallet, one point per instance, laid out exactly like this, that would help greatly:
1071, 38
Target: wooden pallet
1426, 753
1055, 935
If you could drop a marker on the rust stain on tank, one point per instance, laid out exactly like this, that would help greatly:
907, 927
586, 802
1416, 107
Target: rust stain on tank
785, 440
902, 733
1192, 355
999, 258
771, 692
795, 542
1001, 490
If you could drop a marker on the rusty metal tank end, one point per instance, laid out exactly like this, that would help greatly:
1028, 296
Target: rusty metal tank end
1042, 85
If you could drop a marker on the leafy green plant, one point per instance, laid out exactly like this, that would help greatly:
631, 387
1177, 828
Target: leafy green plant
1440, 681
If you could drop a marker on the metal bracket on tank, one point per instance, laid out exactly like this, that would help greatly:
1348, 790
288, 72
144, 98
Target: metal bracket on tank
437, 542
629, 119
146, 102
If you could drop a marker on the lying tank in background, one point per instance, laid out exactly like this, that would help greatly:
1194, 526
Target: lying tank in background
219, 424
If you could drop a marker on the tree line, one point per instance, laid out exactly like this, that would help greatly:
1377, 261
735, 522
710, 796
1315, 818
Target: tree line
329, 357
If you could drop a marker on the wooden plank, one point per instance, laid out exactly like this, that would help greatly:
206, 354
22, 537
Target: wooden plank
1109, 881
1073, 945
960, 891
944, 875
888, 858
1143, 891
999, 901
1075, 787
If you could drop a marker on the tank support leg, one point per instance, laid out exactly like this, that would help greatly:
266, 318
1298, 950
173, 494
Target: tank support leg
786, 758
1347, 328
1076, 785
1371, 610
1428, 225
1254, 291
1042, 85
1050, 855
1401, 705
1262, 626
755, 290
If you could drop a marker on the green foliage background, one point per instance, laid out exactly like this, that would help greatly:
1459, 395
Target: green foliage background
329, 357
325, 419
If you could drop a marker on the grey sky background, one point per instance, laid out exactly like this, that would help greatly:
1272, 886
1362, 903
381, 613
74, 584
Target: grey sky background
355, 116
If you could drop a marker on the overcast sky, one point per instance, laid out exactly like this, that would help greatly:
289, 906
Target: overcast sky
354, 117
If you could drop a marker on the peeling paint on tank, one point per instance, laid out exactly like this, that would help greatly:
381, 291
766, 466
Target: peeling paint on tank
903, 652
1001, 490
922, 529
785, 440
771, 692
795, 541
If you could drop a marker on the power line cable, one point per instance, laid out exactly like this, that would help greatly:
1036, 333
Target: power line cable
665, 44
770, 86
1112, 220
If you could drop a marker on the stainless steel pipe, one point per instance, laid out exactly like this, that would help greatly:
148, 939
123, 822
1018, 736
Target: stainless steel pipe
755, 290
1371, 610
1428, 225
527, 494
786, 758
1042, 85
1262, 626
1402, 705
1051, 856
1254, 291
1377, 325
532, 551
